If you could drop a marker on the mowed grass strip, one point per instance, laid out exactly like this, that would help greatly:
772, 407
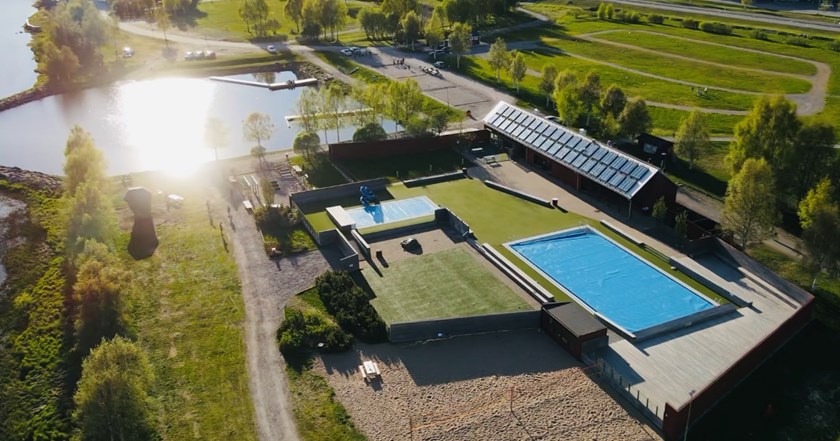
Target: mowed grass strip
707, 52
186, 308
441, 285
698, 73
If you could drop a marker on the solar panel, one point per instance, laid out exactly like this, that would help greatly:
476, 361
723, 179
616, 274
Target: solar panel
579, 161
525, 133
566, 137
628, 167
557, 135
606, 174
619, 162
578, 143
534, 124
508, 111
505, 125
588, 165
608, 157
532, 137
627, 185
547, 145
522, 117
517, 130
563, 152
571, 156
496, 120
639, 173
553, 150
616, 179
542, 127
516, 114
590, 149
599, 153
549, 131
539, 141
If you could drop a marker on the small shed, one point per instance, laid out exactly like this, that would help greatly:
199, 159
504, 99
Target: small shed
573, 328
654, 145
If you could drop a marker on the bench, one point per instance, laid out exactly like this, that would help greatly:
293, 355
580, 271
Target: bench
248, 206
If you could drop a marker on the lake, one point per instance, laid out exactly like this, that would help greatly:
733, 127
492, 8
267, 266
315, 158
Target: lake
18, 68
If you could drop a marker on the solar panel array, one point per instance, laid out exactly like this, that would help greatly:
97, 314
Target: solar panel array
610, 168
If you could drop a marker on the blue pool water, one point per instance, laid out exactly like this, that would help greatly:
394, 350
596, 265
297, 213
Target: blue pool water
391, 211
611, 280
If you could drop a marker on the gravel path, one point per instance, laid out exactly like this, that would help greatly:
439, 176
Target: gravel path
266, 286
504, 386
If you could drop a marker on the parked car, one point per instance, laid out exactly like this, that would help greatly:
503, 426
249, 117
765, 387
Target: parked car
410, 244
439, 64
188, 55
347, 51
127, 52
272, 49
210, 55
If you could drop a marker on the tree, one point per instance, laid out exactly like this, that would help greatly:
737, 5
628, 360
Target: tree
111, 399
375, 97
681, 225
460, 39
163, 22
411, 27
498, 57
255, 14
439, 121
813, 150
768, 131
692, 139
335, 101
257, 127
434, 27
79, 26
405, 100
371, 131
332, 15
590, 94
635, 119
294, 10
821, 240
569, 106
59, 65
613, 101
399, 7
660, 210
549, 74
517, 69
458, 11
749, 210
307, 144
98, 294
83, 162
216, 135
308, 106
565, 79
819, 196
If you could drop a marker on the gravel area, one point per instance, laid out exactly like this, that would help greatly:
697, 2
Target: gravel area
505, 386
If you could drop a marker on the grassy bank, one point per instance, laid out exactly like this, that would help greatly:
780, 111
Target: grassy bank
186, 309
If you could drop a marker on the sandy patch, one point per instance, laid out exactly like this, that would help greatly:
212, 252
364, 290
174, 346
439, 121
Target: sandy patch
506, 386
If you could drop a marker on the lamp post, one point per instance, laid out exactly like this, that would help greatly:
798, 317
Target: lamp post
688, 418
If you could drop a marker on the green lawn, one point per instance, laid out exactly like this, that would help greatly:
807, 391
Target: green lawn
320, 170
185, 306
704, 51
439, 285
405, 166
667, 121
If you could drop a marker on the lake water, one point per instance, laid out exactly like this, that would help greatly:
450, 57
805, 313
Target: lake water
17, 72
149, 125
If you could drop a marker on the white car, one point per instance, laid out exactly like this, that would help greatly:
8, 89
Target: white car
439, 64
347, 51
127, 52
272, 49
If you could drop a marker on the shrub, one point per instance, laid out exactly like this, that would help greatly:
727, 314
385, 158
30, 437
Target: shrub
350, 306
798, 41
714, 27
656, 19
304, 331
311, 30
628, 17
690, 23
834, 45
281, 216
758, 34
372, 131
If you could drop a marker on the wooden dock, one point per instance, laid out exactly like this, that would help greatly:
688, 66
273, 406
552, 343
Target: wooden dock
291, 84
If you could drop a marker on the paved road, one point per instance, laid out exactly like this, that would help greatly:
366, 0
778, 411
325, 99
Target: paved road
799, 23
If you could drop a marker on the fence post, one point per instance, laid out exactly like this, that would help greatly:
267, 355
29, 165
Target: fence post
511, 399
411, 427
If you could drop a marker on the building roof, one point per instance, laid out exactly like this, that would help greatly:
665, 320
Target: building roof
605, 165
575, 319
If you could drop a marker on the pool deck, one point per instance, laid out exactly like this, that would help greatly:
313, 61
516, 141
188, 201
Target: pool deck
666, 368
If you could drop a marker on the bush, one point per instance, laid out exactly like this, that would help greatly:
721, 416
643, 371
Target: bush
798, 41
628, 17
372, 131
758, 34
350, 306
281, 216
834, 45
656, 19
303, 331
311, 31
690, 23
714, 27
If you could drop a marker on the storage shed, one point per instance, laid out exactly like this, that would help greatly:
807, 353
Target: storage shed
573, 328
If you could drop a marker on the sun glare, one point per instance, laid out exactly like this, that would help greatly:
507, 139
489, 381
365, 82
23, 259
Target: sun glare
164, 123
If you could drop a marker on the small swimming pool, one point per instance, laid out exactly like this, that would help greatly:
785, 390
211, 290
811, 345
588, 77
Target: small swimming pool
609, 279
391, 211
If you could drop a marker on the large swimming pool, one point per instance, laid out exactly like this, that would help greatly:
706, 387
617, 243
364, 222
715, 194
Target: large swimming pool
391, 211
609, 279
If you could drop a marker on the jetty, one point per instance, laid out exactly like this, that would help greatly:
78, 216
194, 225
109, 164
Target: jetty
290, 84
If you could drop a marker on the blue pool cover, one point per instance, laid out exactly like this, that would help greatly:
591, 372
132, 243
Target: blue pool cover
391, 211
611, 280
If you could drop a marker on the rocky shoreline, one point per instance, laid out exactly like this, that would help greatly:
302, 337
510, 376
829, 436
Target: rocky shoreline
33, 179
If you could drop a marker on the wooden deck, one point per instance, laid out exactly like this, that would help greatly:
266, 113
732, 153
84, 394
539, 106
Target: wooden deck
666, 368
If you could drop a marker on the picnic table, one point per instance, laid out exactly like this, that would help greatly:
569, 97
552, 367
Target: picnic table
369, 370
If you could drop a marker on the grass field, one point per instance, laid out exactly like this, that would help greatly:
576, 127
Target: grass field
186, 309
440, 285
